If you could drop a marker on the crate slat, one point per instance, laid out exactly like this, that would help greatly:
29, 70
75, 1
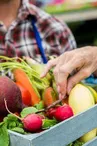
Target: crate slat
62, 133
93, 142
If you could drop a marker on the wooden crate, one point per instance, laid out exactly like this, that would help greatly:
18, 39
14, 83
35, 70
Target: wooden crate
62, 133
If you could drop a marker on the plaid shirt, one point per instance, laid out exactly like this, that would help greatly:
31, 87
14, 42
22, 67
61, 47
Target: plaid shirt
19, 39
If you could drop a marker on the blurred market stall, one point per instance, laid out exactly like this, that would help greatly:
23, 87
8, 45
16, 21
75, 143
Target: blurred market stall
81, 16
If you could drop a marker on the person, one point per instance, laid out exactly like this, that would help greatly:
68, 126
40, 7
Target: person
20, 24
71, 67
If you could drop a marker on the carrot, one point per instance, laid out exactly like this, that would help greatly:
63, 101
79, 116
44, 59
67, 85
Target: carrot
26, 96
49, 96
22, 78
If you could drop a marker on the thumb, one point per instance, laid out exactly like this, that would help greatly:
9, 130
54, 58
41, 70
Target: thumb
49, 65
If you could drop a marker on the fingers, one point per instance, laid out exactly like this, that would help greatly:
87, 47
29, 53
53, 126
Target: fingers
49, 65
61, 73
82, 74
61, 80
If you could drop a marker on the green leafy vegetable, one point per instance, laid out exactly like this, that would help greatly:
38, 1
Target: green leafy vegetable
13, 63
28, 110
12, 122
47, 123
76, 143
40, 105
4, 137
18, 130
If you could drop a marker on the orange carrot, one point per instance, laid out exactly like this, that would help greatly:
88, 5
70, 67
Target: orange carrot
22, 78
49, 96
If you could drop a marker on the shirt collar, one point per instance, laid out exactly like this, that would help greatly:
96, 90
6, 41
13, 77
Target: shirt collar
26, 9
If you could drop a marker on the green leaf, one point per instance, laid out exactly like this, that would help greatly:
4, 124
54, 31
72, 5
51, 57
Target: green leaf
47, 123
11, 121
12, 125
19, 130
4, 137
40, 105
76, 143
9, 118
28, 110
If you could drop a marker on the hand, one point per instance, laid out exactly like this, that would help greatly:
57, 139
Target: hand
81, 62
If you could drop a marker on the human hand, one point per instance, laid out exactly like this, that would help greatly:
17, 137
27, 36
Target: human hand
81, 62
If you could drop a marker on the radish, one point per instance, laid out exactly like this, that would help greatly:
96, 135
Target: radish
32, 122
51, 112
63, 112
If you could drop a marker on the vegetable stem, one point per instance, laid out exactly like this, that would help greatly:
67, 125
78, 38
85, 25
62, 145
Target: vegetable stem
5, 101
52, 105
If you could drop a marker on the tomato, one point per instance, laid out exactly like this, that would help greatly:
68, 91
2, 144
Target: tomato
26, 96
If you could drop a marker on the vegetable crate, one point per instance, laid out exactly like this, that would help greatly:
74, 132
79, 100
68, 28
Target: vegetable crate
61, 134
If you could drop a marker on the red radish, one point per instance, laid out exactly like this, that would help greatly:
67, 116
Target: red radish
63, 112
51, 112
31, 122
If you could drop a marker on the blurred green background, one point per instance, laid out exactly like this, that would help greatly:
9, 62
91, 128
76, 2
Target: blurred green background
84, 26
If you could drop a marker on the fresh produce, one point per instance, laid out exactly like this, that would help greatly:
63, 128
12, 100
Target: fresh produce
26, 96
48, 96
4, 138
81, 99
48, 123
32, 122
30, 75
43, 107
76, 143
28, 110
63, 112
21, 77
51, 112
88, 136
94, 93
9, 91
39, 68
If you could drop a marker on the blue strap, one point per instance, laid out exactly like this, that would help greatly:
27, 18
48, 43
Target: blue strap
39, 42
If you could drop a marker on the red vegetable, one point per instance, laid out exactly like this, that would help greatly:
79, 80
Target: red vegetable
11, 92
32, 122
63, 112
26, 96
51, 113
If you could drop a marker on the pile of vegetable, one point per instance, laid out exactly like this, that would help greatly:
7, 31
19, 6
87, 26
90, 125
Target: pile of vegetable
29, 104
